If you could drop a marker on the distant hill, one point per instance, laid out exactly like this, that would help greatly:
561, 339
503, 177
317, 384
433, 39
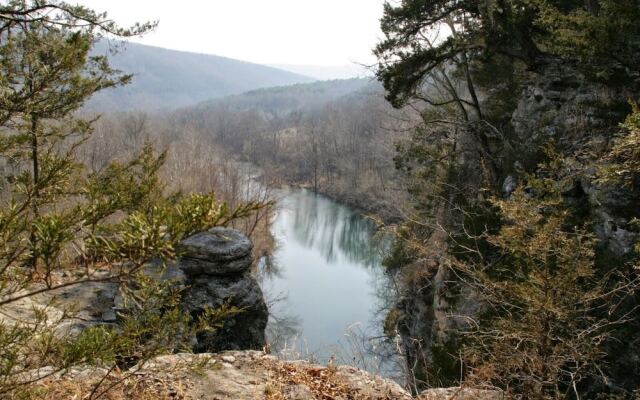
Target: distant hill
323, 73
284, 100
169, 79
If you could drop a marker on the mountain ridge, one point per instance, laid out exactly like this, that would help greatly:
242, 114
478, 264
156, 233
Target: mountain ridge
170, 79
327, 72
281, 100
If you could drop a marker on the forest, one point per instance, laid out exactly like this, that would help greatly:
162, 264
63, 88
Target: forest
495, 143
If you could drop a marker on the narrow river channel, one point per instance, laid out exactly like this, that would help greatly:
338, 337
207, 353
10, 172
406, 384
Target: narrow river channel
325, 284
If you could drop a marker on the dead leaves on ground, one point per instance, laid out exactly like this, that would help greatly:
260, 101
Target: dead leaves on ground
322, 382
140, 386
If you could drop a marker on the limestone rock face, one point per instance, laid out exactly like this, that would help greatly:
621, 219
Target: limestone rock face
509, 185
560, 103
77, 307
216, 265
217, 252
581, 116
432, 310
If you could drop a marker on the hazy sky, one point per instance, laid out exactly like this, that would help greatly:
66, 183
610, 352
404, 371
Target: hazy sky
312, 32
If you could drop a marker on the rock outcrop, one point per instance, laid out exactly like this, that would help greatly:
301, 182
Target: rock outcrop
217, 268
561, 103
459, 393
432, 310
581, 116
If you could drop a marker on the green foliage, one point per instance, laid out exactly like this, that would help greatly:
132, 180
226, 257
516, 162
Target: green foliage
55, 13
92, 346
61, 226
397, 257
428, 161
152, 323
624, 157
554, 310
444, 370
540, 293
549, 311
602, 35
390, 323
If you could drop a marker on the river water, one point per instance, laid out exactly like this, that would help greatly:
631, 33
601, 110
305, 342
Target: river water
325, 284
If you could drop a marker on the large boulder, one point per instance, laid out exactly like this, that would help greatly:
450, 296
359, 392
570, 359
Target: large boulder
217, 252
214, 270
217, 266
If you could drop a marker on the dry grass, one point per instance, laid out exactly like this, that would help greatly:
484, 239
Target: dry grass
323, 383
114, 387
320, 381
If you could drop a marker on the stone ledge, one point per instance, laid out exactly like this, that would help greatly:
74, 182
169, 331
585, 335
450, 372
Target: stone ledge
217, 244
249, 375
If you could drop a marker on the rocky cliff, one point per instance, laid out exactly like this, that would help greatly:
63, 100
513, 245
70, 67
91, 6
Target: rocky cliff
580, 115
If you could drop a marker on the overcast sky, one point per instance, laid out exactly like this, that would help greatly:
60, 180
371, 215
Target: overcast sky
307, 32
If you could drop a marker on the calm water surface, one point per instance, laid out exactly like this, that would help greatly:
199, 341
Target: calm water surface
325, 283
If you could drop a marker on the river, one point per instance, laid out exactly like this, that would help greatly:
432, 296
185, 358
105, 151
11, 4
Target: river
326, 285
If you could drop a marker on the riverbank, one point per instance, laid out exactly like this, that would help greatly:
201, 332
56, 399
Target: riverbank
370, 204
379, 209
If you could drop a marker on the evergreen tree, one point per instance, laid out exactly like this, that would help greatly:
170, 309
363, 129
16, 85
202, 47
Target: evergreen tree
550, 311
422, 36
461, 64
61, 226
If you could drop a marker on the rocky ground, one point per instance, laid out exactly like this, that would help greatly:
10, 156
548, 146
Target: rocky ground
240, 375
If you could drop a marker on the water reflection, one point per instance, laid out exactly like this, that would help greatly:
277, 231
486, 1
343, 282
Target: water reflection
333, 230
324, 284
